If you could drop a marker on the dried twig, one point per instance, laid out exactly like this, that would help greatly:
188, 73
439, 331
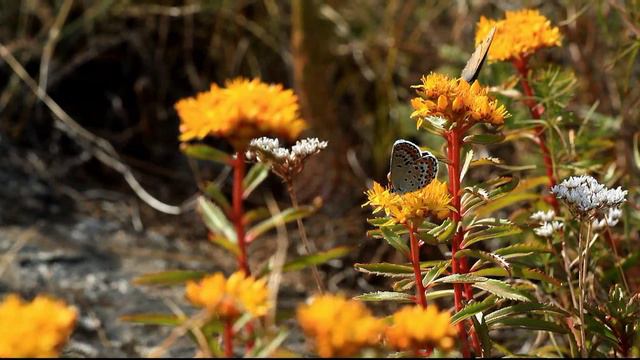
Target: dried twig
100, 148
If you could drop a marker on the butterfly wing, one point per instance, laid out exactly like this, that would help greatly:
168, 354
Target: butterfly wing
429, 168
411, 169
472, 68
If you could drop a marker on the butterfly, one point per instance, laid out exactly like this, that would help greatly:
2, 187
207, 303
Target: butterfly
410, 168
472, 68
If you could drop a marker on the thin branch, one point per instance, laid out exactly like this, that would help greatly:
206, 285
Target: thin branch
100, 148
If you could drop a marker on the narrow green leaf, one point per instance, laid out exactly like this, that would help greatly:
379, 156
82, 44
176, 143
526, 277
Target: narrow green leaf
523, 248
465, 165
215, 219
385, 269
484, 139
486, 256
213, 191
486, 161
523, 308
483, 333
518, 272
395, 241
284, 216
436, 294
224, 243
270, 347
205, 152
316, 259
433, 273
501, 289
154, 319
529, 324
170, 277
473, 308
444, 232
255, 177
636, 150
493, 232
385, 296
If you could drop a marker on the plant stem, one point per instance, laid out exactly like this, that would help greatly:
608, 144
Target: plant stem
228, 338
238, 213
421, 298
536, 110
583, 259
303, 236
453, 167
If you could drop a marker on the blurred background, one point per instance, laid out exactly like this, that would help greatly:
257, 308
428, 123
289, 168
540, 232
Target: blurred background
87, 89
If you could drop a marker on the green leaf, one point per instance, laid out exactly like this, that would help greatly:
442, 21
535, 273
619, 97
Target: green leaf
205, 152
486, 256
385, 269
284, 216
501, 289
529, 324
170, 277
484, 139
523, 308
215, 219
433, 273
492, 232
518, 272
213, 191
444, 231
395, 241
154, 319
385, 296
473, 308
436, 294
255, 177
270, 347
308, 260
636, 151
486, 161
523, 248
465, 165
483, 334
224, 243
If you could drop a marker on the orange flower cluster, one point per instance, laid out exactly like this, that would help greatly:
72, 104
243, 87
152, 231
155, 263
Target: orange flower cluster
228, 298
34, 329
241, 111
455, 101
339, 327
520, 34
415, 327
431, 199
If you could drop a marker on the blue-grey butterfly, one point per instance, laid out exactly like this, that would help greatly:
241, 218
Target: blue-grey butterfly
472, 68
410, 168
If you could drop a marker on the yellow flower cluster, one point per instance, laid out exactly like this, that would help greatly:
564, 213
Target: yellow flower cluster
519, 35
34, 329
415, 327
228, 298
456, 101
339, 327
241, 111
431, 199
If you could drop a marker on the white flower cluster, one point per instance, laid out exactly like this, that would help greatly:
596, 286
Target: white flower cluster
547, 225
584, 195
611, 218
270, 148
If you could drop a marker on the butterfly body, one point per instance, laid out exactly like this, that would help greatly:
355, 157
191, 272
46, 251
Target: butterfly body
410, 168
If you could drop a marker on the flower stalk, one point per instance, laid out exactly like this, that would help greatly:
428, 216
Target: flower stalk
238, 212
458, 266
421, 298
228, 338
583, 261
536, 110
303, 235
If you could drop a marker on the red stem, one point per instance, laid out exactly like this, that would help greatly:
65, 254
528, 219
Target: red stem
536, 110
421, 298
238, 214
453, 167
228, 338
